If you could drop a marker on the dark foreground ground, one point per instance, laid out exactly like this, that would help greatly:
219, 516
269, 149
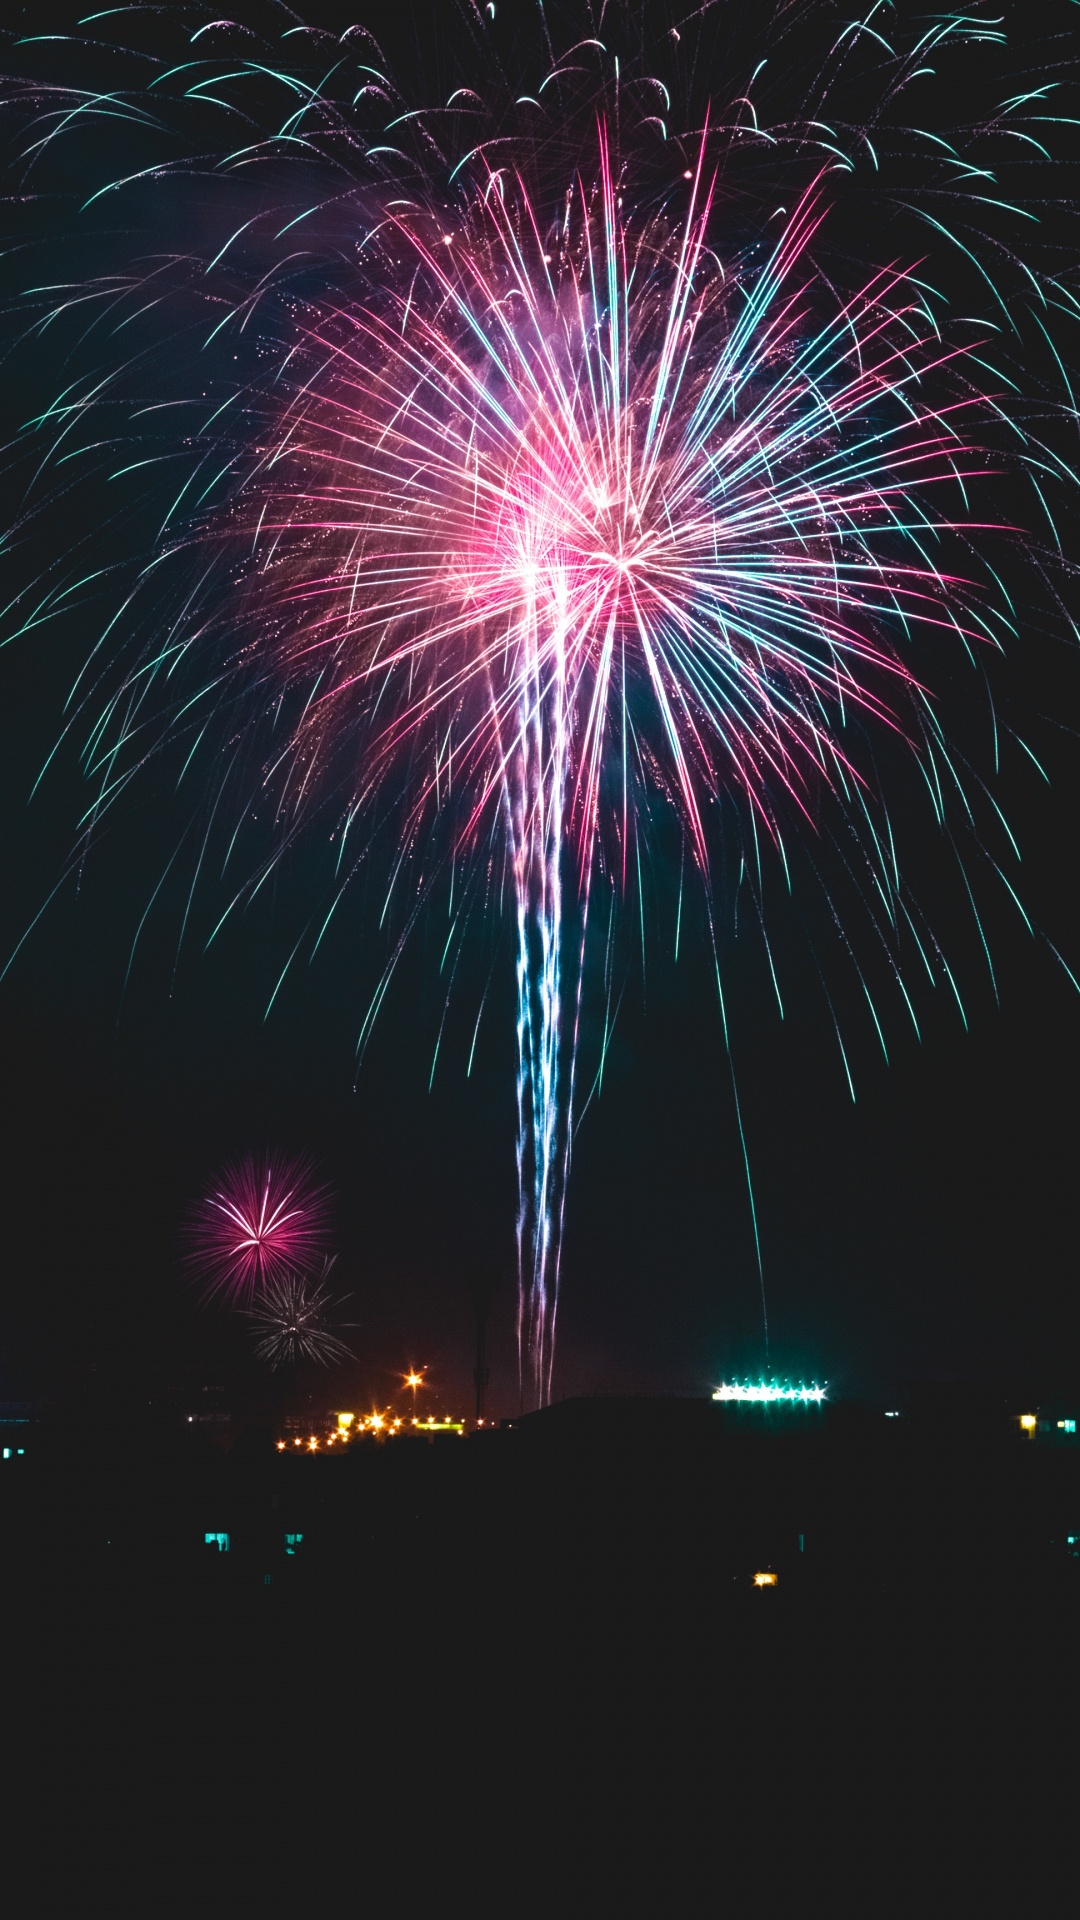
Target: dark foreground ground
530, 1671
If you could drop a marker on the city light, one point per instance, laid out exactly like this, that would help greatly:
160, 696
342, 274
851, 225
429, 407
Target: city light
766, 1391
764, 1579
1067, 1426
376, 1425
1028, 1422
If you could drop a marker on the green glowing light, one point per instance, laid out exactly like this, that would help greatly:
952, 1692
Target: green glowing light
769, 1393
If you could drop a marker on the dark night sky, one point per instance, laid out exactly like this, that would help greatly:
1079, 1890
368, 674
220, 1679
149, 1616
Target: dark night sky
928, 1229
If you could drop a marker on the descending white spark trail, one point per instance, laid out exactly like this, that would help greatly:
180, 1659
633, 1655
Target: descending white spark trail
537, 801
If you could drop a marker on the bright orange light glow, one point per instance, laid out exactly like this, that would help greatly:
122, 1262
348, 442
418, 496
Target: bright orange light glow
313, 1445
764, 1579
414, 1379
281, 1446
345, 1420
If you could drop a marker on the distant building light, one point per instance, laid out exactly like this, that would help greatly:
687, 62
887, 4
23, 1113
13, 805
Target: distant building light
892, 1413
345, 1420
7, 1453
1028, 1422
1067, 1426
292, 1541
764, 1579
768, 1392
218, 1540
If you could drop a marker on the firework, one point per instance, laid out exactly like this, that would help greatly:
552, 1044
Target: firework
291, 1319
576, 481
265, 1221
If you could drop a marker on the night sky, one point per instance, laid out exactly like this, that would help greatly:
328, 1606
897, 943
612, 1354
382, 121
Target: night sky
927, 1230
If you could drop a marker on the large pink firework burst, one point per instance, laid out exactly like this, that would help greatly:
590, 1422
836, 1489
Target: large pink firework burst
562, 524
267, 1218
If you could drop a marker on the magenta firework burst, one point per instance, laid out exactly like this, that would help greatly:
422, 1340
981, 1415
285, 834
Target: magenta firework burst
590, 448
264, 1222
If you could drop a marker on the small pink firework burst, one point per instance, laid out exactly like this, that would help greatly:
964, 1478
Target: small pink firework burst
265, 1219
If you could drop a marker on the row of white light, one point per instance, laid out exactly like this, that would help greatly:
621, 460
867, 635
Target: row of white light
734, 1391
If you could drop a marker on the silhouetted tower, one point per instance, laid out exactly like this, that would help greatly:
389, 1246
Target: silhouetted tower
482, 1287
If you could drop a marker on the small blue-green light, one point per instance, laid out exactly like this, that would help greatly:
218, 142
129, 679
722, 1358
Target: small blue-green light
292, 1541
218, 1540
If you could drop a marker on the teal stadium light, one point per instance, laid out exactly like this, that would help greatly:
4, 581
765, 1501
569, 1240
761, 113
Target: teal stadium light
769, 1393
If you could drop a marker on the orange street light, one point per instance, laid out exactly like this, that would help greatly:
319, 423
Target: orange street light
413, 1379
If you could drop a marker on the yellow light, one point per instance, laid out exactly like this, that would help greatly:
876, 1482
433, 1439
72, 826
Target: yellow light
764, 1579
1028, 1422
345, 1420
281, 1446
414, 1379
313, 1445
